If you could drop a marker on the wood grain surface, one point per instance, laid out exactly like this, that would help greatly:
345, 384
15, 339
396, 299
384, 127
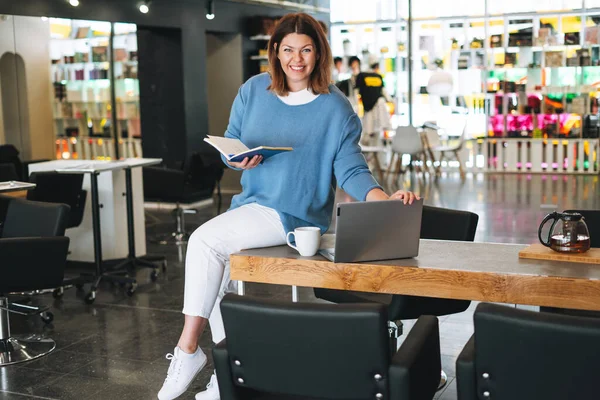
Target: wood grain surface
20, 194
540, 252
455, 270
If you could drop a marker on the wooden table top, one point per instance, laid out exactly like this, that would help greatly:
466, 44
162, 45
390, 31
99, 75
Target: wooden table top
456, 270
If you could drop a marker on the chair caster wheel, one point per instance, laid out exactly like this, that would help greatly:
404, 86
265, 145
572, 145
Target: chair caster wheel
90, 297
131, 289
47, 317
58, 293
154, 275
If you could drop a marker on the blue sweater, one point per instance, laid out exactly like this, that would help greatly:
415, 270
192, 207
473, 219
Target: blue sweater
299, 185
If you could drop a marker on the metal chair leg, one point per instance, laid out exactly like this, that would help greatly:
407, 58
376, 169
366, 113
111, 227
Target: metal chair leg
443, 381
13, 350
395, 331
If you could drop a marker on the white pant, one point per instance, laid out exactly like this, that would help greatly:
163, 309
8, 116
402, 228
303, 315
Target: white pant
207, 260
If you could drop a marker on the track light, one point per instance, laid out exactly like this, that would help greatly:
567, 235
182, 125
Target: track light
210, 10
144, 7
74, 3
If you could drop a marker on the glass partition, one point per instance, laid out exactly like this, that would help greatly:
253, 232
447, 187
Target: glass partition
526, 69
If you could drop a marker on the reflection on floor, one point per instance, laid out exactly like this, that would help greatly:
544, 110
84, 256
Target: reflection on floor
116, 348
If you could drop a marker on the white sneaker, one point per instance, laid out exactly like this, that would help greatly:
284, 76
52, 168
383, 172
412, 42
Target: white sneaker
182, 371
212, 390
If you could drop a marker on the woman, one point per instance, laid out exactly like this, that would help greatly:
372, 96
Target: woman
293, 106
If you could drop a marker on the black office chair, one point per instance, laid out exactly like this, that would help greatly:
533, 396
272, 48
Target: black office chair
437, 223
8, 172
523, 355
592, 220
10, 155
25, 218
193, 182
52, 187
284, 351
33, 255
4, 202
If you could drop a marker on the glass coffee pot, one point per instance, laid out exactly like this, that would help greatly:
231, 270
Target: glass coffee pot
568, 233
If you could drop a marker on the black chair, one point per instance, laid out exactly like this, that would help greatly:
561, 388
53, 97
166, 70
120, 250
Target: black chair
4, 202
25, 218
33, 255
10, 155
523, 355
592, 220
8, 173
437, 223
193, 182
284, 351
52, 187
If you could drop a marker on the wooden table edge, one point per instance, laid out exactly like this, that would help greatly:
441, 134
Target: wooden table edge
551, 291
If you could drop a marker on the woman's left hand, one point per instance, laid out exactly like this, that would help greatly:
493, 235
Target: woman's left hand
404, 195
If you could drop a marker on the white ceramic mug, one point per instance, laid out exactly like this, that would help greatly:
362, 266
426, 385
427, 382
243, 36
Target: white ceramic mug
307, 240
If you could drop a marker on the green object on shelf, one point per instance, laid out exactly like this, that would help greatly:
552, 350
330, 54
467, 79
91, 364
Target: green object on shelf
537, 133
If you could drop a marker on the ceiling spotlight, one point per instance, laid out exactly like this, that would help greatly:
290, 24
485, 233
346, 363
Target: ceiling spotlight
74, 3
210, 10
144, 7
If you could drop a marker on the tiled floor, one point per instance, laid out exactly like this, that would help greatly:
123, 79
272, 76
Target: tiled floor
115, 348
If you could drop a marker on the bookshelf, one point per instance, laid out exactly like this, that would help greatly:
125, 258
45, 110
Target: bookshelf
525, 82
89, 82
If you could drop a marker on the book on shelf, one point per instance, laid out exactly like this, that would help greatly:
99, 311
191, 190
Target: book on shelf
235, 151
554, 58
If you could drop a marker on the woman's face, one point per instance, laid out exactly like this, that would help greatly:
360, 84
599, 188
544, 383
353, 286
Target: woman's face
297, 55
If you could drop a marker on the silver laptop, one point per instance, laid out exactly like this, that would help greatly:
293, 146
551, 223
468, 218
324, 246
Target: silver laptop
374, 230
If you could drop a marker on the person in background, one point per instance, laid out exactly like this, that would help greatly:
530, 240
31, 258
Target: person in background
352, 93
375, 68
337, 69
293, 105
354, 64
376, 117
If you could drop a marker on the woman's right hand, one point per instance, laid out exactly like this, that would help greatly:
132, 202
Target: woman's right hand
248, 163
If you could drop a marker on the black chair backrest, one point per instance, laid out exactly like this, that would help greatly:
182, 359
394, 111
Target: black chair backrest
313, 350
592, 220
53, 187
26, 218
163, 184
205, 170
8, 172
531, 355
32, 263
10, 155
446, 224
440, 224
4, 202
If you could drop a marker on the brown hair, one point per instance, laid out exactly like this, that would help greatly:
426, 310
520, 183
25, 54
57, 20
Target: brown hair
304, 24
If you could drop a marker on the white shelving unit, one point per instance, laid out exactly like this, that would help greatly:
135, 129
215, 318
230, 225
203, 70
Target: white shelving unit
84, 85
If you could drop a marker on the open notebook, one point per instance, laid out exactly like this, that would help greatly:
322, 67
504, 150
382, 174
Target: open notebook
234, 150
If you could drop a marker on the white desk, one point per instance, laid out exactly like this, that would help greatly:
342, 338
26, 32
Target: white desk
113, 214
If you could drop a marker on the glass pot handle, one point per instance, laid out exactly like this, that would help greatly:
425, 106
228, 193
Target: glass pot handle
555, 216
